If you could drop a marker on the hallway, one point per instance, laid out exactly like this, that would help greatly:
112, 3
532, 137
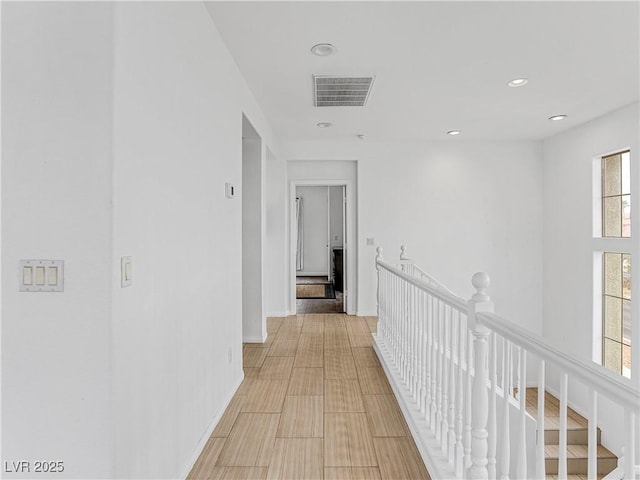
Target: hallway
315, 404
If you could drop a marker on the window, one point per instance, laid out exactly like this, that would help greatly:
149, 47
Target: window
615, 214
616, 312
616, 195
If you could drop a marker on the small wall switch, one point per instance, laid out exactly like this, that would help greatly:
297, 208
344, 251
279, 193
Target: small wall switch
126, 272
230, 190
41, 276
27, 275
370, 241
52, 275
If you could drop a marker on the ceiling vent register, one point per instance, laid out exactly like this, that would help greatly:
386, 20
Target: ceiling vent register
341, 91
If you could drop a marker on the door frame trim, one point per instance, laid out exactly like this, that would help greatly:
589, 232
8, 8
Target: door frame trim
349, 246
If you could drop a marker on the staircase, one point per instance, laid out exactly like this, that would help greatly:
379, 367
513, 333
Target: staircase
577, 439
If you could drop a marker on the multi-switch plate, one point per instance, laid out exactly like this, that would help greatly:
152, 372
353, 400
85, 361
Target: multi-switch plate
41, 275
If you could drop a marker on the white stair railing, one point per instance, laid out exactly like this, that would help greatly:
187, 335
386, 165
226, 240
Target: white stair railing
460, 374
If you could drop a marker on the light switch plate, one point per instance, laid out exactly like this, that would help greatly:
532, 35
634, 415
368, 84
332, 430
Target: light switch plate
370, 241
126, 271
41, 275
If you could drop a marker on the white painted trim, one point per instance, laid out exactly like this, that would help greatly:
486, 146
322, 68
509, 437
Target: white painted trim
197, 451
366, 313
302, 273
350, 248
277, 315
254, 339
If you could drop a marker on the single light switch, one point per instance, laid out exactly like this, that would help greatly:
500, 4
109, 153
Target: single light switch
41, 275
126, 271
370, 241
52, 276
27, 275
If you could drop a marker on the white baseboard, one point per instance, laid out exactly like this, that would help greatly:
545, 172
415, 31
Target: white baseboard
311, 274
209, 430
254, 339
276, 314
367, 313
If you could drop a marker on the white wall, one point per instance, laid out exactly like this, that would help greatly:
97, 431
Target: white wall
179, 107
276, 218
315, 230
121, 124
253, 318
569, 244
336, 226
56, 184
459, 206
335, 216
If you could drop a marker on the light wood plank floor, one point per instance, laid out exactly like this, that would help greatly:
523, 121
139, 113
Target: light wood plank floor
315, 404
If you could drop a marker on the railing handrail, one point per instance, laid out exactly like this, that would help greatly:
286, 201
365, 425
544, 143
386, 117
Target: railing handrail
440, 292
614, 386
423, 328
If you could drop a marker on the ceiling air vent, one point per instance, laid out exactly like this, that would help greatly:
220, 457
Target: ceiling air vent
341, 91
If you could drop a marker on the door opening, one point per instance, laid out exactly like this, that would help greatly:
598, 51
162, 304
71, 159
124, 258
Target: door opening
320, 248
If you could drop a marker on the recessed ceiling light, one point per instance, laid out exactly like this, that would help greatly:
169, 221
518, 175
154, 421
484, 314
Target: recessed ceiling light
556, 118
454, 132
518, 82
325, 124
361, 136
323, 49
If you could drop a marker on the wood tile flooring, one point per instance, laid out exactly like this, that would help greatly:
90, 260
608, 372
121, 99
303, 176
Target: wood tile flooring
315, 404
324, 305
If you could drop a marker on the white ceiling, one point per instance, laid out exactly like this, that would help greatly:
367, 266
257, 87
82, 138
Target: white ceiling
439, 66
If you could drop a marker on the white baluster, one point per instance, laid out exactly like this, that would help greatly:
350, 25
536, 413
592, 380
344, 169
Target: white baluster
505, 440
416, 348
468, 400
446, 311
439, 336
492, 426
592, 466
434, 367
425, 358
455, 320
459, 453
430, 369
518, 370
540, 465
378, 259
629, 457
521, 466
480, 409
562, 453
419, 349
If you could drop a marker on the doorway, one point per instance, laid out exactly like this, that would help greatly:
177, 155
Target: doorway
320, 248
320, 233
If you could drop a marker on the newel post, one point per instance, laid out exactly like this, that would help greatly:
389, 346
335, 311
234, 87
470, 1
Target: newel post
404, 259
479, 302
379, 258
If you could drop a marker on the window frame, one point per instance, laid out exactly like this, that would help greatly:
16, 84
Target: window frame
611, 244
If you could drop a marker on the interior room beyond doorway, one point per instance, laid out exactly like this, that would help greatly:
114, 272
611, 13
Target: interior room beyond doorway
320, 241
